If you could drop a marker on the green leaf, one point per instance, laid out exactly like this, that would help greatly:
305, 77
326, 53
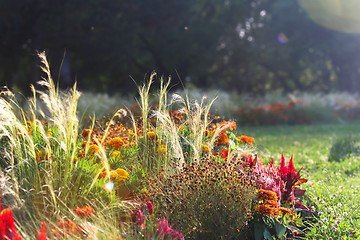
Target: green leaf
280, 229
267, 235
259, 229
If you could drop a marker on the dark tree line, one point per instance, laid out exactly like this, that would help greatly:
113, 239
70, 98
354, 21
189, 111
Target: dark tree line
242, 45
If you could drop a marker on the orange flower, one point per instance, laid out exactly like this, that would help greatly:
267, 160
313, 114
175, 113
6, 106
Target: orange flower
265, 209
268, 203
84, 212
81, 153
39, 156
285, 210
267, 195
102, 174
65, 228
93, 148
223, 139
116, 142
86, 132
246, 139
116, 175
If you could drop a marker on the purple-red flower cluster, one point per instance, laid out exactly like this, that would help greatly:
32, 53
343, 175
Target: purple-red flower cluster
143, 219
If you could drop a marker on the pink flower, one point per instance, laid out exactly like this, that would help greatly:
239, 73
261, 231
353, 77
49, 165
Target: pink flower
164, 229
176, 235
150, 207
138, 217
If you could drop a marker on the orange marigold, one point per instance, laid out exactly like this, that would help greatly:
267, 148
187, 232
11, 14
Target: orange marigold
93, 148
285, 210
122, 174
265, 209
116, 175
102, 174
84, 212
267, 195
246, 139
223, 139
116, 142
65, 228
86, 132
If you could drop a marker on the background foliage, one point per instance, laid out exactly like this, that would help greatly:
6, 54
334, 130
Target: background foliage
247, 45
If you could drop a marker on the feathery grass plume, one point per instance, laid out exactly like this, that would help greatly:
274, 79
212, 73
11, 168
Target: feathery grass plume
40, 148
169, 131
144, 92
197, 117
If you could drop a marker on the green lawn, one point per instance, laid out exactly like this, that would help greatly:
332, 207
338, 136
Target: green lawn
333, 187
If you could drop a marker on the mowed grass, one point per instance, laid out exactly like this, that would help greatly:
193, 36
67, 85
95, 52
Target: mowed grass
333, 187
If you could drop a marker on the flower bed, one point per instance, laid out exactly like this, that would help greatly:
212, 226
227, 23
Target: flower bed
172, 172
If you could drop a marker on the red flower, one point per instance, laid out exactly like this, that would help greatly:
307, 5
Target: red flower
42, 233
224, 153
150, 207
291, 178
164, 230
138, 217
7, 226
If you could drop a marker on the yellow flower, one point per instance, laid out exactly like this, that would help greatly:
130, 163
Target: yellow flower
93, 148
205, 148
151, 135
104, 165
119, 175
116, 142
39, 156
115, 153
161, 149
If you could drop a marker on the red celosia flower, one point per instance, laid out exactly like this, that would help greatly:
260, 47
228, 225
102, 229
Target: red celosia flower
164, 230
138, 217
290, 176
42, 233
249, 160
150, 207
7, 226
84, 212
